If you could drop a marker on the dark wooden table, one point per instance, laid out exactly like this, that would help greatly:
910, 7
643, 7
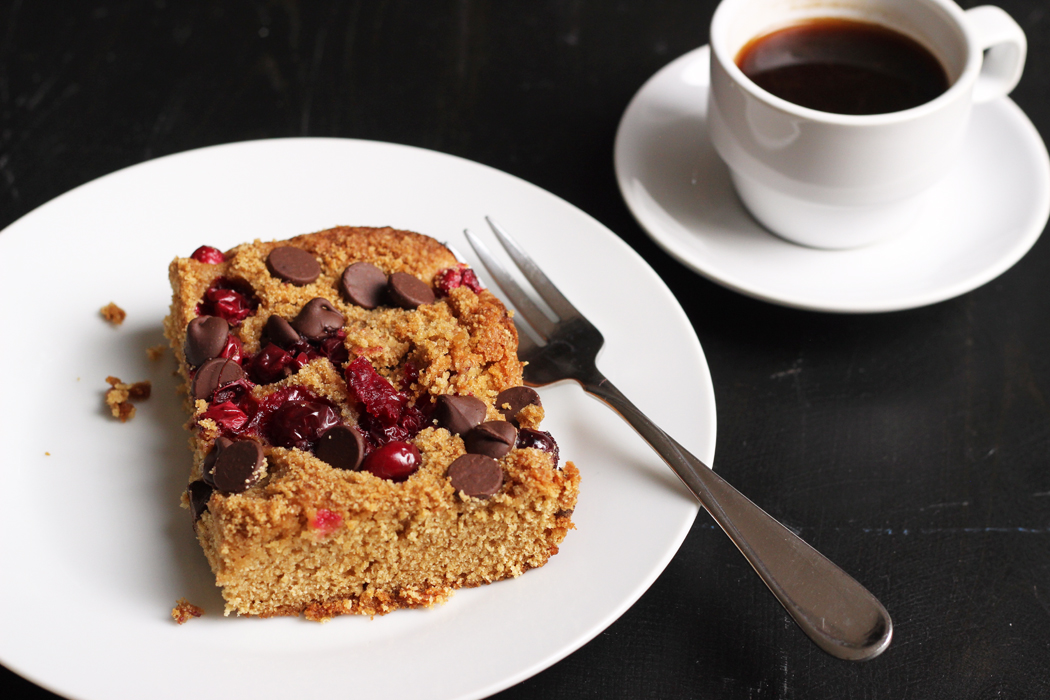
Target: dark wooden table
912, 447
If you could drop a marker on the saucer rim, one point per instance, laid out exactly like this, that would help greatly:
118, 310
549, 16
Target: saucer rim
1039, 213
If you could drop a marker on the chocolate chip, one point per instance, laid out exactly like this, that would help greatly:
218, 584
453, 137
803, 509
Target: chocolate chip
493, 438
318, 319
200, 494
208, 466
476, 475
363, 284
205, 338
293, 265
213, 374
342, 447
458, 414
512, 400
238, 466
408, 291
279, 332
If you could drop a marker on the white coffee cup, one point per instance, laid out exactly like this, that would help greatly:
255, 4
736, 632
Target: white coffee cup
843, 181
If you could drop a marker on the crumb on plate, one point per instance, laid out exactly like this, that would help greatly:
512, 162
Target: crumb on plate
184, 610
120, 395
113, 313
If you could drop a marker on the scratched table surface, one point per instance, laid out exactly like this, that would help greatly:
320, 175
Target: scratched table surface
911, 447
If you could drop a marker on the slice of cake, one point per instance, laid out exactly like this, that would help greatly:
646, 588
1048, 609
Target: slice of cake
361, 438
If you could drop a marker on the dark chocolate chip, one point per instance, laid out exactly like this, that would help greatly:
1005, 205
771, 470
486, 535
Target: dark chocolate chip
512, 400
279, 332
493, 438
205, 338
564, 513
458, 414
342, 447
363, 284
476, 475
213, 374
408, 291
208, 467
238, 466
293, 265
318, 319
200, 494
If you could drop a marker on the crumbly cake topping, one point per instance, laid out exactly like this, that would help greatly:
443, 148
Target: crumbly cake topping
347, 387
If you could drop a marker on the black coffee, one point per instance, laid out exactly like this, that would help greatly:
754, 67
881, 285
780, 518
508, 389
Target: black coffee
844, 66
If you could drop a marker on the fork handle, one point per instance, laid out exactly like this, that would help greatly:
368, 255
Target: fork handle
841, 616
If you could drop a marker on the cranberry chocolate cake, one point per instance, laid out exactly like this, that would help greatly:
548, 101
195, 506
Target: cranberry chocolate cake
361, 438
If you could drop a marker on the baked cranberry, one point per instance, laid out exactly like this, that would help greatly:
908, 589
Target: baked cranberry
410, 377
459, 276
233, 350
380, 398
395, 461
209, 255
334, 349
227, 416
448, 279
411, 421
539, 439
299, 423
325, 522
272, 364
471, 281
232, 300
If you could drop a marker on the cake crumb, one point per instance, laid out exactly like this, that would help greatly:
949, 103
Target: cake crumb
184, 610
47, 454
155, 352
119, 397
113, 313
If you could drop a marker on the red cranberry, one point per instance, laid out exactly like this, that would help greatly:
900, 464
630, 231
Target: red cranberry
411, 376
375, 392
272, 364
471, 281
233, 350
227, 416
395, 461
209, 255
325, 522
335, 349
539, 439
235, 391
229, 299
459, 276
411, 421
299, 423
448, 279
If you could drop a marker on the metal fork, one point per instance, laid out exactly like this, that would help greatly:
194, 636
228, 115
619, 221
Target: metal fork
835, 611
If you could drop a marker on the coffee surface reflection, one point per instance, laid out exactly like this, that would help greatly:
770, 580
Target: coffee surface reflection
844, 66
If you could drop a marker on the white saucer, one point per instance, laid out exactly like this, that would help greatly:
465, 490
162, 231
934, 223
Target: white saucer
975, 225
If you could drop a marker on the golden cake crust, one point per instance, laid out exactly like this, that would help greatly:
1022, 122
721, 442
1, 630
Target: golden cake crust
308, 538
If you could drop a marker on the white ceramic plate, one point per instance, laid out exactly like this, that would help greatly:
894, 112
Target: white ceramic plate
94, 547
975, 225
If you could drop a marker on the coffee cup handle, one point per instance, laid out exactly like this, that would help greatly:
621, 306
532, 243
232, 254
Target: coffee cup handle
1004, 45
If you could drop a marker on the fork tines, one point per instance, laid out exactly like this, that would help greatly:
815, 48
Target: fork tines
532, 313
